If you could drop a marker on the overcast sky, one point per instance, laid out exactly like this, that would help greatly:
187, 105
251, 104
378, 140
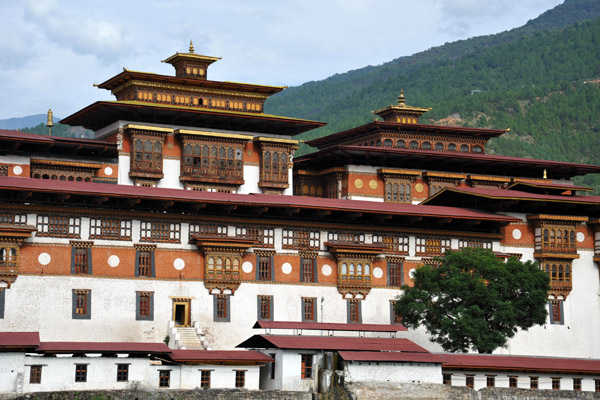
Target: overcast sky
53, 51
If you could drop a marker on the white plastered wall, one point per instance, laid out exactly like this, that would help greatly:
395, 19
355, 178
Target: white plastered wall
391, 372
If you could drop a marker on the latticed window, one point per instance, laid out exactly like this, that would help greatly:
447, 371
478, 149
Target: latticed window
145, 306
264, 268
555, 383
353, 311
212, 161
396, 317
223, 264
395, 273
205, 378
308, 309
447, 379
274, 167
222, 307
81, 260
533, 382
513, 381
147, 155
3, 170
394, 244
15, 219
470, 381
577, 384
306, 366
351, 237
35, 374
479, 244
355, 269
431, 246
144, 263
58, 226
308, 273
162, 232
164, 378
208, 230
81, 372
398, 192
490, 380
265, 237
110, 229
301, 240
265, 308
240, 378
122, 372
556, 312
559, 273
81, 304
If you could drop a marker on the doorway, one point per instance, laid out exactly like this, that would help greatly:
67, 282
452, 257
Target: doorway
181, 312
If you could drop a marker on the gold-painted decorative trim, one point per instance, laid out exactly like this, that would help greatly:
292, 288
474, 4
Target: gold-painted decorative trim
275, 140
148, 128
213, 134
189, 89
80, 164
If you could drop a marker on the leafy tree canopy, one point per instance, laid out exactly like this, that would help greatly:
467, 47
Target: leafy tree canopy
474, 300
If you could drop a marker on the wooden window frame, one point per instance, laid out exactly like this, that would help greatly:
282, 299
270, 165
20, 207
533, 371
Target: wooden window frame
475, 243
265, 237
164, 378
122, 372
110, 228
144, 302
309, 309
577, 384
221, 308
82, 304
272, 172
395, 244
556, 382
308, 269
355, 269
395, 318
9, 258
81, 258
264, 308
35, 374
213, 230
58, 226
354, 312
240, 378
431, 246
265, 267
301, 239
144, 262
397, 191
347, 237
212, 161
306, 366
490, 380
160, 232
395, 273
146, 162
447, 379
470, 381
81, 372
534, 382
513, 381
205, 378
556, 312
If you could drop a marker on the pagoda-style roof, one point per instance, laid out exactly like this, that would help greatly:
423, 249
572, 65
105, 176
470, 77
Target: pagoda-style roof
382, 126
548, 188
83, 195
103, 113
505, 200
432, 160
128, 76
17, 142
400, 111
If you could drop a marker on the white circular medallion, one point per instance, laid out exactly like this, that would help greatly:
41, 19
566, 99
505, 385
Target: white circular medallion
17, 170
44, 258
113, 261
247, 267
326, 270
412, 272
108, 171
377, 272
580, 237
516, 233
286, 268
179, 264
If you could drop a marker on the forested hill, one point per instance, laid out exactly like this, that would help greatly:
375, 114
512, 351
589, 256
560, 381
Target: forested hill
541, 80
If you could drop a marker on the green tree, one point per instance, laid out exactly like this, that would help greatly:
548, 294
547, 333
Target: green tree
474, 300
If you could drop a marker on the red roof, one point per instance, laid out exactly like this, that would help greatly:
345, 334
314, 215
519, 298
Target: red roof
547, 185
219, 355
103, 347
332, 343
271, 200
500, 362
329, 326
515, 194
390, 356
19, 339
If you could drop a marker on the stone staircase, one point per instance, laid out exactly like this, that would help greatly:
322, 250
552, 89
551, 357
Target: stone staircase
187, 338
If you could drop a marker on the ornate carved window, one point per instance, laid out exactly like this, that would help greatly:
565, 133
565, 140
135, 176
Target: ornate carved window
558, 239
144, 306
223, 264
147, 159
394, 244
309, 311
63, 172
14, 219
3, 170
350, 237
301, 239
58, 226
355, 269
9, 258
395, 272
308, 267
144, 260
81, 257
265, 308
559, 272
110, 228
431, 246
82, 299
354, 312
398, 191
208, 230
161, 232
395, 316
212, 161
264, 267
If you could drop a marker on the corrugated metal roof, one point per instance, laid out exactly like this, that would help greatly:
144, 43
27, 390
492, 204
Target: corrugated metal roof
516, 194
19, 339
219, 355
326, 326
271, 200
103, 347
332, 343
390, 356
493, 362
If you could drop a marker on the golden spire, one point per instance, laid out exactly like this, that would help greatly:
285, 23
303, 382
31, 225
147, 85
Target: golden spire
49, 122
401, 98
191, 46
545, 174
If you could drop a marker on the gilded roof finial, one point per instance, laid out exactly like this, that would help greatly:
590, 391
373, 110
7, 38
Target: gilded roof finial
191, 46
401, 98
49, 122
545, 174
